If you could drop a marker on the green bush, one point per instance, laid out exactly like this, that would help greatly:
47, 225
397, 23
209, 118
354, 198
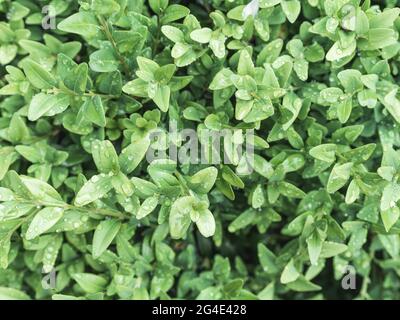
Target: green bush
307, 211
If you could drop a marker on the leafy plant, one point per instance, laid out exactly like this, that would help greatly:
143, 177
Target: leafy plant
89, 89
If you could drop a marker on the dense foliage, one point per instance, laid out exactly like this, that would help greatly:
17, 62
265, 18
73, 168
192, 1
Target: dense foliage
84, 84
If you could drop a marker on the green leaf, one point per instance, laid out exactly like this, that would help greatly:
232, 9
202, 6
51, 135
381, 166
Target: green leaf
331, 95
344, 110
350, 80
360, 154
103, 60
96, 188
174, 34
7, 53
204, 180
93, 111
340, 174
390, 195
392, 104
314, 246
290, 191
104, 234
245, 66
42, 191
90, 283
137, 87
12, 294
158, 6
133, 154
44, 104
291, 9
387, 172
258, 198
75, 77
353, 192
82, 23
262, 166
206, 223
201, 35
179, 217
301, 284
174, 12
222, 80
267, 259
147, 65
43, 221
161, 97
390, 217
37, 75
105, 7
268, 3
242, 221
289, 273
147, 207
217, 44
104, 156
164, 74
331, 249
380, 38
324, 152
336, 52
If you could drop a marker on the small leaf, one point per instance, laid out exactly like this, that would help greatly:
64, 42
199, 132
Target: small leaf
291, 9
353, 192
179, 217
104, 156
37, 75
267, 259
201, 35
344, 110
289, 190
390, 217
90, 283
12, 294
103, 60
204, 180
42, 191
324, 152
222, 80
162, 96
289, 273
301, 284
314, 246
174, 12
158, 6
82, 23
133, 154
392, 104
104, 235
174, 34
390, 196
246, 66
147, 207
331, 249
43, 104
